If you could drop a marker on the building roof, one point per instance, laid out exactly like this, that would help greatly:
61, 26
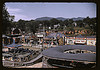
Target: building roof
51, 35
5, 54
57, 52
80, 36
13, 45
23, 55
91, 36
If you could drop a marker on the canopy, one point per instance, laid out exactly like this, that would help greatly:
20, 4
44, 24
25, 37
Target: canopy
13, 45
58, 53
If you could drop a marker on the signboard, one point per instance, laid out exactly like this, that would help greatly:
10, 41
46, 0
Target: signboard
80, 38
91, 42
70, 41
91, 38
80, 41
39, 35
70, 37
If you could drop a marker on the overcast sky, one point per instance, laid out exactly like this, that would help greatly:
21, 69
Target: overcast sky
33, 10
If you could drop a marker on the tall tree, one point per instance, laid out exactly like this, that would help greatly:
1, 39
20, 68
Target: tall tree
21, 25
6, 22
66, 22
87, 20
70, 21
80, 23
54, 21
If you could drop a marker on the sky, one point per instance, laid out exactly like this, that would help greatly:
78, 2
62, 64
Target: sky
33, 10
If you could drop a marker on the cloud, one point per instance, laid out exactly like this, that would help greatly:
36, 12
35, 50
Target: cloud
13, 10
20, 16
17, 13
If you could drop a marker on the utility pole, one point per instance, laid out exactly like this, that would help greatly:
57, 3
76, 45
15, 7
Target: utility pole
43, 36
43, 30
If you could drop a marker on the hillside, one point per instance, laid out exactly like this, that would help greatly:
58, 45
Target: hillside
58, 18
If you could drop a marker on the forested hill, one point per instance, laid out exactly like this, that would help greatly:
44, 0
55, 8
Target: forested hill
58, 18
44, 18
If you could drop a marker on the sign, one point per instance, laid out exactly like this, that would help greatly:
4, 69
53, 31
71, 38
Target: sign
80, 41
91, 42
91, 38
70, 41
39, 35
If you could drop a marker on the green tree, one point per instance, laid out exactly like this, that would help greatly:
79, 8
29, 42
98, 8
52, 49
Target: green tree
11, 19
87, 20
66, 22
80, 23
46, 23
21, 24
6, 23
93, 24
54, 21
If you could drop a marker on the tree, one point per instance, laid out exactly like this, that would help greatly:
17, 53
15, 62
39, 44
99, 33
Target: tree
87, 21
33, 26
46, 23
80, 23
21, 25
66, 22
54, 21
11, 19
6, 23
91, 22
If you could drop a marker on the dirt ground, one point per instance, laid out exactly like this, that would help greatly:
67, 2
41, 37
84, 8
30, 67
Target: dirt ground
32, 48
37, 65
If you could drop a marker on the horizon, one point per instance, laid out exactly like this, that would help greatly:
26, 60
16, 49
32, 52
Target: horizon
65, 17
32, 11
